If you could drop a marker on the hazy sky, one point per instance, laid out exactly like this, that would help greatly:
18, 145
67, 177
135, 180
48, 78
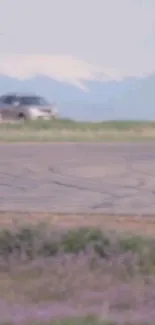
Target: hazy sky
65, 35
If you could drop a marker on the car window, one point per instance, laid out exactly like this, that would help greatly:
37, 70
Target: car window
33, 100
8, 99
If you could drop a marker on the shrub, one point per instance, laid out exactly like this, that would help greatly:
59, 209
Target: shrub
30, 242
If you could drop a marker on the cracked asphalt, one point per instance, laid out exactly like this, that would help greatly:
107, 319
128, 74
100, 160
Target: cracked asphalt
107, 178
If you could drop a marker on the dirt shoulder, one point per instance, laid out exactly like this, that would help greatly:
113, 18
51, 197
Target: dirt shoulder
131, 224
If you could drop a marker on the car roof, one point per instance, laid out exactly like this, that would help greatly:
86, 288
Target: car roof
20, 95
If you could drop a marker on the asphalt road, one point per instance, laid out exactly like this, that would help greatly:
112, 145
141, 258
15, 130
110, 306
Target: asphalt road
78, 178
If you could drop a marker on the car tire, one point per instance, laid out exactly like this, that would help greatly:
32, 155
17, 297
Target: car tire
21, 117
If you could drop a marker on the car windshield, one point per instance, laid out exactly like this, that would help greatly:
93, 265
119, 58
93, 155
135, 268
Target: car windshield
38, 101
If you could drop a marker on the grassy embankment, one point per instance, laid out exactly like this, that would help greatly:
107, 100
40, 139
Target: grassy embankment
67, 130
49, 274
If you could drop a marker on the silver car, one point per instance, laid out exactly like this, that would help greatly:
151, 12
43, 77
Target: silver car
26, 107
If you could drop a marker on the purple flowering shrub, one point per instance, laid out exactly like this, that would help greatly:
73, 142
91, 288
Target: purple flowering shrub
48, 275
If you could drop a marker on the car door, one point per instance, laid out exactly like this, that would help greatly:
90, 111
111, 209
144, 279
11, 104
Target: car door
7, 108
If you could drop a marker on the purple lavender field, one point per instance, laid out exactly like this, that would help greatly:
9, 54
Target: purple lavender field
82, 276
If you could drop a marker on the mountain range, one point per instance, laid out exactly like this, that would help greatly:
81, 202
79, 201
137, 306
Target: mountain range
126, 99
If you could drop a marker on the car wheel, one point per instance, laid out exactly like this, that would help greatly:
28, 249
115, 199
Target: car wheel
22, 117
